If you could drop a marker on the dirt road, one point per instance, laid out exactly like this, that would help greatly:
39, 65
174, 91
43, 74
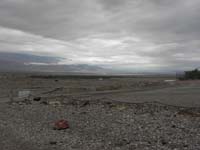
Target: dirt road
188, 96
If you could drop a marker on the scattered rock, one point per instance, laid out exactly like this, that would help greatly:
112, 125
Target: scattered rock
84, 112
22, 102
26, 101
164, 142
185, 145
37, 99
108, 103
53, 142
173, 126
44, 102
61, 125
73, 102
55, 103
122, 143
85, 103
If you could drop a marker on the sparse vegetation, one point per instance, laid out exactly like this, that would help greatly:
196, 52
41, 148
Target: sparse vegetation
194, 74
191, 75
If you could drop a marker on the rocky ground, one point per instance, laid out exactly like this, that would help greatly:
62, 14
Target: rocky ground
98, 125
30, 107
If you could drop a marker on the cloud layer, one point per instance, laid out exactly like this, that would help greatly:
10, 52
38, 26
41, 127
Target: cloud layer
152, 35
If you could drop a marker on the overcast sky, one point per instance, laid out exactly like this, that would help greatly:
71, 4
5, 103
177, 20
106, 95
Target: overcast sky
129, 34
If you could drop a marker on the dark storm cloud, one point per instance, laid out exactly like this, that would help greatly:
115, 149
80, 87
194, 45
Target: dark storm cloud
153, 33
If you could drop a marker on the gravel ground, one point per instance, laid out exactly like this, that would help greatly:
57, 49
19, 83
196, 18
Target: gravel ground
98, 125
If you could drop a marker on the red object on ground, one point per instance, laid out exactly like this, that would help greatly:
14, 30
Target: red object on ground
61, 125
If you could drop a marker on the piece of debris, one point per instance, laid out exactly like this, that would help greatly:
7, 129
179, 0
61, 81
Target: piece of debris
100, 79
24, 93
37, 99
169, 80
61, 125
118, 107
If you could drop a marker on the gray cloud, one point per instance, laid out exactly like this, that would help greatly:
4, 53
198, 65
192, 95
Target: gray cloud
152, 34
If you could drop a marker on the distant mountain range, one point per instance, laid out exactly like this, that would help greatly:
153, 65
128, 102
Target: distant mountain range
31, 63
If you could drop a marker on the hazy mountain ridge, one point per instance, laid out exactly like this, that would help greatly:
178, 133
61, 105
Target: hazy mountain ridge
27, 58
25, 62
15, 62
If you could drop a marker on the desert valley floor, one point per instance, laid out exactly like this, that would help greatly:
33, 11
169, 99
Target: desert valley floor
119, 113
